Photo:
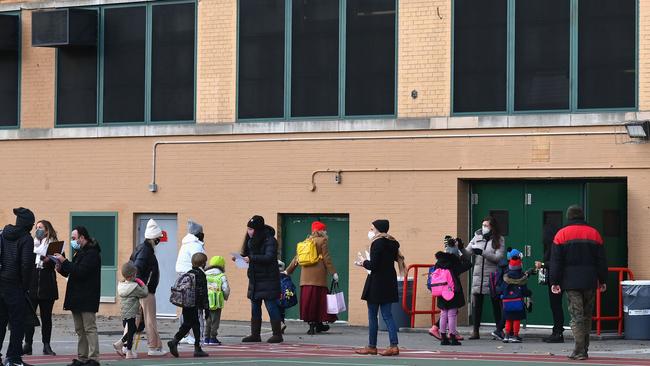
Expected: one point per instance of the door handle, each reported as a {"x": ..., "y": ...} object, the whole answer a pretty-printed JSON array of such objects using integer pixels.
[{"x": 528, "y": 249}]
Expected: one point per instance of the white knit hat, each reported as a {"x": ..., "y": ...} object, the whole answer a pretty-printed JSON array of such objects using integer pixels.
[{"x": 153, "y": 231}]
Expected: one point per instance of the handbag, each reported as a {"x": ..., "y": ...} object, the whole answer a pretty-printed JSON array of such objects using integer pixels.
[{"x": 335, "y": 300}]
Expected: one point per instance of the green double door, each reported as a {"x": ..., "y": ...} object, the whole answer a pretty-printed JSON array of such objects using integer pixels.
[
  {"x": 524, "y": 208},
  {"x": 295, "y": 228}
]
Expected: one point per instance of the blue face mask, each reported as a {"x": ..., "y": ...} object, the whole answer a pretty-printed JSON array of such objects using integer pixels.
[
  {"x": 75, "y": 245},
  {"x": 40, "y": 234}
]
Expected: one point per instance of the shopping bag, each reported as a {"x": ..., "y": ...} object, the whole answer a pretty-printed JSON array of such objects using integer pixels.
[{"x": 335, "y": 300}]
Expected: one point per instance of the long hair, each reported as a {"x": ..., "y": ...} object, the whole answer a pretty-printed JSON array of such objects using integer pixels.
[
  {"x": 401, "y": 263},
  {"x": 495, "y": 231},
  {"x": 51, "y": 233},
  {"x": 256, "y": 240}
]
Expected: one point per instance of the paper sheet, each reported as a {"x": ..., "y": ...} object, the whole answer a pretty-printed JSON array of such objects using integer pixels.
[{"x": 239, "y": 261}]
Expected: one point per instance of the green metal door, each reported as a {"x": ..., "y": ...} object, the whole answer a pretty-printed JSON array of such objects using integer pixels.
[{"x": 296, "y": 228}]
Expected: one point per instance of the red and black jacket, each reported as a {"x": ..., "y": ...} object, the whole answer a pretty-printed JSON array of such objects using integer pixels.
[{"x": 578, "y": 257}]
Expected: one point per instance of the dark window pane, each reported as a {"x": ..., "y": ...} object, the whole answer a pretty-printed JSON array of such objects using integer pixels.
[
  {"x": 261, "y": 59},
  {"x": 480, "y": 42},
  {"x": 370, "y": 58},
  {"x": 315, "y": 58},
  {"x": 503, "y": 221},
  {"x": 124, "y": 62},
  {"x": 606, "y": 53},
  {"x": 611, "y": 223},
  {"x": 76, "y": 85},
  {"x": 9, "y": 70},
  {"x": 542, "y": 55},
  {"x": 172, "y": 63}
]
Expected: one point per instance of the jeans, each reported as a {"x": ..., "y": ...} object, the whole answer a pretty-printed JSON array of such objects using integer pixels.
[
  {"x": 373, "y": 323},
  {"x": 271, "y": 307},
  {"x": 212, "y": 324},
  {"x": 12, "y": 308}
]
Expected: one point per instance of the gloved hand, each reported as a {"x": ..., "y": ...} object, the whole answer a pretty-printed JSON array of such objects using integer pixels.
[
  {"x": 477, "y": 251},
  {"x": 459, "y": 243},
  {"x": 335, "y": 277}
]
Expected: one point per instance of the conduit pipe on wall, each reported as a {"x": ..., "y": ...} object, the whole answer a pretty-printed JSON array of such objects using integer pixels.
[{"x": 153, "y": 187}]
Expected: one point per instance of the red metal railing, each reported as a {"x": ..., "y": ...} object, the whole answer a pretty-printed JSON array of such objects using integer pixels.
[
  {"x": 412, "y": 311},
  {"x": 598, "y": 317}
]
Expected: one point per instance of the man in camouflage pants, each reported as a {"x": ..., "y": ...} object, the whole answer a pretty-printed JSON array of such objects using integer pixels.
[{"x": 579, "y": 267}]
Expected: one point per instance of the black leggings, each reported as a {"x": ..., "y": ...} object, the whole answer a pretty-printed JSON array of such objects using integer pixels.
[
  {"x": 130, "y": 332},
  {"x": 46, "y": 321},
  {"x": 556, "y": 309},
  {"x": 190, "y": 321},
  {"x": 477, "y": 311}
]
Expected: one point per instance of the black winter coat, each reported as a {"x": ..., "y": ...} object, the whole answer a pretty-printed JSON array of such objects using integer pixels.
[
  {"x": 456, "y": 266},
  {"x": 144, "y": 259},
  {"x": 200, "y": 288},
  {"x": 381, "y": 283},
  {"x": 44, "y": 286},
  {"x": 263, "y": 272},
  {"x": 17, "y": 257},
  {"x": 84, "y": 279}
]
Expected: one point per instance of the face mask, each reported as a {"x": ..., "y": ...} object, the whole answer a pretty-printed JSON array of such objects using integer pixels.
[
  {"x": 371, "y": 234},
  {"x": 40, "y": 234},
  {"x": 485, "y": 230},
  {"x": 75, "y": 245}
]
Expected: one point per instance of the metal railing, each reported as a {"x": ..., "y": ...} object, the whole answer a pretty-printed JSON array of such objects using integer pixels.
[
  {"x": 412, "y": 311},
  {"x": 599, "y": 318}
]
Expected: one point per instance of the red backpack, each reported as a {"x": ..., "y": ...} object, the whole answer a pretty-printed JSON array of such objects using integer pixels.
[{"x": 441, "y": 283}]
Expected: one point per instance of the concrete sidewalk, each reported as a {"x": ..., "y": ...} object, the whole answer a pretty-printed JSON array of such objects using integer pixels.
[{"x": 64, "y": 340}]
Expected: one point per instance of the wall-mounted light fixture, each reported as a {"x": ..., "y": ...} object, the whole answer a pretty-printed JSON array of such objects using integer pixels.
[{"x": 638, "y": 129}]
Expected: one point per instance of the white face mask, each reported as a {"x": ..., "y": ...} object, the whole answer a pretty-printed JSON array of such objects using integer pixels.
[
  {"x": 485, "y": 230},
  {"x": 371, "y": 234}
]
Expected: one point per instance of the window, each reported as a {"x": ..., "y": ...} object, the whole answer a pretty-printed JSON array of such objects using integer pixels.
[
  {"x": 261, "y": 59},
  {"x": 143, "y": 70},
  {"x": 544, "y": 55},
  {"x": 9, "y": 69},
  {"x": 102, "y": 226},
  {"x": 290, "y": 64},
  {"x": 172, "y": 69}
]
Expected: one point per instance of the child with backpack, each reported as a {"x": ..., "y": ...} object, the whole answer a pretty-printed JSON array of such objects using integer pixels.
[
  {"x": 444, "y": 282},
  {"x": 513, "y": 290},
  {"x": 191, "y": 292},
  {"x": 131, "y": 290},
  {"x": 218, "y": 293},
  {"x": 288, "y": 293}
]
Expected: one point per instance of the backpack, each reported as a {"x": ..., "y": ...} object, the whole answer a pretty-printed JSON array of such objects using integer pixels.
[
  {"x": 216, "y": 299},
  {"x": 183, "y": 292},
  {"x": 288, "y": 296},
  {"x": 513, "y": 299},
  {"x": 441, "y": 283},
  {"x": 307, "y": 253},
  {"x": 495, "y": 279}
]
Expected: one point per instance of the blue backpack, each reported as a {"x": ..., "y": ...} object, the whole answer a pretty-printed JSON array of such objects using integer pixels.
[
  {"x": 288, "y": 296},
  {"x": 513, "y": 299},
  {"x": 495, "y": 281}
]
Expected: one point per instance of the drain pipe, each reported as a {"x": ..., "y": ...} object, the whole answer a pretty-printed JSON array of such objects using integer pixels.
[{"x": 153, "y": 187}]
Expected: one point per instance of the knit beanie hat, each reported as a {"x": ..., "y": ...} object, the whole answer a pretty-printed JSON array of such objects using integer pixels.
[
  {"x": 217, "y": 261},
  {"x": 318, "y": 226},
  {"x": 153, "y": 231},
  {"x": 256, "y": 222},
  {"x": 194, "y": 227},
  {"x": 381, "y": 225},
  {"x": 513, "y": 253},
  {"x": 514, "y": 264},
  {"x": 24, "y": 217}
]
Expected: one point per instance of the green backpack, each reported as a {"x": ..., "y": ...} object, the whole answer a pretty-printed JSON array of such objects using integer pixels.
[{"x": 216, "y": 299}]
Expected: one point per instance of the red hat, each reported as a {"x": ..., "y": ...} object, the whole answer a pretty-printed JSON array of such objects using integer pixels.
[
  {"x": 514, "y": 264},
  {"x": 318, "y": 226}
]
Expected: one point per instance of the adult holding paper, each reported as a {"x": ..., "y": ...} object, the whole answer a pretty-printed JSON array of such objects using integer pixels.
[
  {"x": 43, "y": 291},
  {"x": 260, "y": 251},
  {"x": 380, "y": 289}
]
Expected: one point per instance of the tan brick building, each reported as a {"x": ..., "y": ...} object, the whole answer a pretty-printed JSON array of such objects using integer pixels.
[{"x": 416, "y": 111}]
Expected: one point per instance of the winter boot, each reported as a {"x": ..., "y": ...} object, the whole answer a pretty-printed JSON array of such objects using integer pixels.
[
  {"x": 454, "y": 340},
  {"x": 555, "y": 337},
  {"x": 198, "y": 352},
  {"x": 320, "y": 327},
  {"x": 256, "y": 329},
  {"x": 173, "y": 347},
  {"x": 27, "y": 349},
  {"x": 276, "y": 326},
  {"x": 444, "y": 340},
  {"x": 47, "y": 350},
  {"x": 312, "y": 328}
]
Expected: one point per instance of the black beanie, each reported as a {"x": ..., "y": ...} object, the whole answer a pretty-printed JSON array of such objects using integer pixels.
[
  {"x": 381, "y": 225},
  {"x": 256, "y": 222},
  {"x": 24, "y": 217}
]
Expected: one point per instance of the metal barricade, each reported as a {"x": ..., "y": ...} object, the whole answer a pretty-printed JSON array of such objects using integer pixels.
[
  {"x": 599, "y": 318},
  {"x": 413, "y": 311}
]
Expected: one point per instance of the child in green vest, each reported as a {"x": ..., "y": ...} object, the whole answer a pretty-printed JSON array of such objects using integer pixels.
[{"x": 218, "y": 292}]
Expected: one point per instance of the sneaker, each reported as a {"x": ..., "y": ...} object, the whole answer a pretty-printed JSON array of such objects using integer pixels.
[
  {"x": 498, "y": 334},
  {"x": 215, "y": 341},
  {"x": 516, "y": 339},
  {"x": 506, "y": 339},
  {"x": 207, "y": 341},
  {"x": 434, "y": 332},
  {"x": 130, "y": 354},
  {"x": 117, "y": 346},
  {"x": 156, "y": 352}
]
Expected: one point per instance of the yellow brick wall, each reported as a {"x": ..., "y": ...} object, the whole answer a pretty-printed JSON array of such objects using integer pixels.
[
  {"x": 37, "y": 80},
  {"x": 424, "y": 62},
  {"x": 644, "y": 55},
  {"x": 217, "y": 67}
]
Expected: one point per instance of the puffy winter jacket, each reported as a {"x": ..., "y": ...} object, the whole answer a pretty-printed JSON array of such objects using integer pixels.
[
  {"x": 144, "y": 258},
  {"x": 263, "y": 272},
  {"x": 190, "y": 245},
  {"x": 200, "y": 288},
  {"x": 485, "y": 263},
  {"x": 17, "y": 257},
  {"x": 456, "y": 266},
  {"x": 130, "y": 294}
]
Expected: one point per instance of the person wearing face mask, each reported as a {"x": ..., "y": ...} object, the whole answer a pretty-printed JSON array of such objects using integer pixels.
[
  {"x": 380, "y": 289},
  {"x": 144, "y": 259},
  {"x": 313, "y": 282},
  {"x": 44, "y": 290},
  {"x": 488, "y": 249},
  {"x": 17, "y": 248},
  {"x": 260, "y": 251},
  {"x": 82, "y": 293}
]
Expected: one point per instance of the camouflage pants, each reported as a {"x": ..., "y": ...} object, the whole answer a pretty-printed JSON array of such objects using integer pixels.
[{"x": 581, "y": 309}]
